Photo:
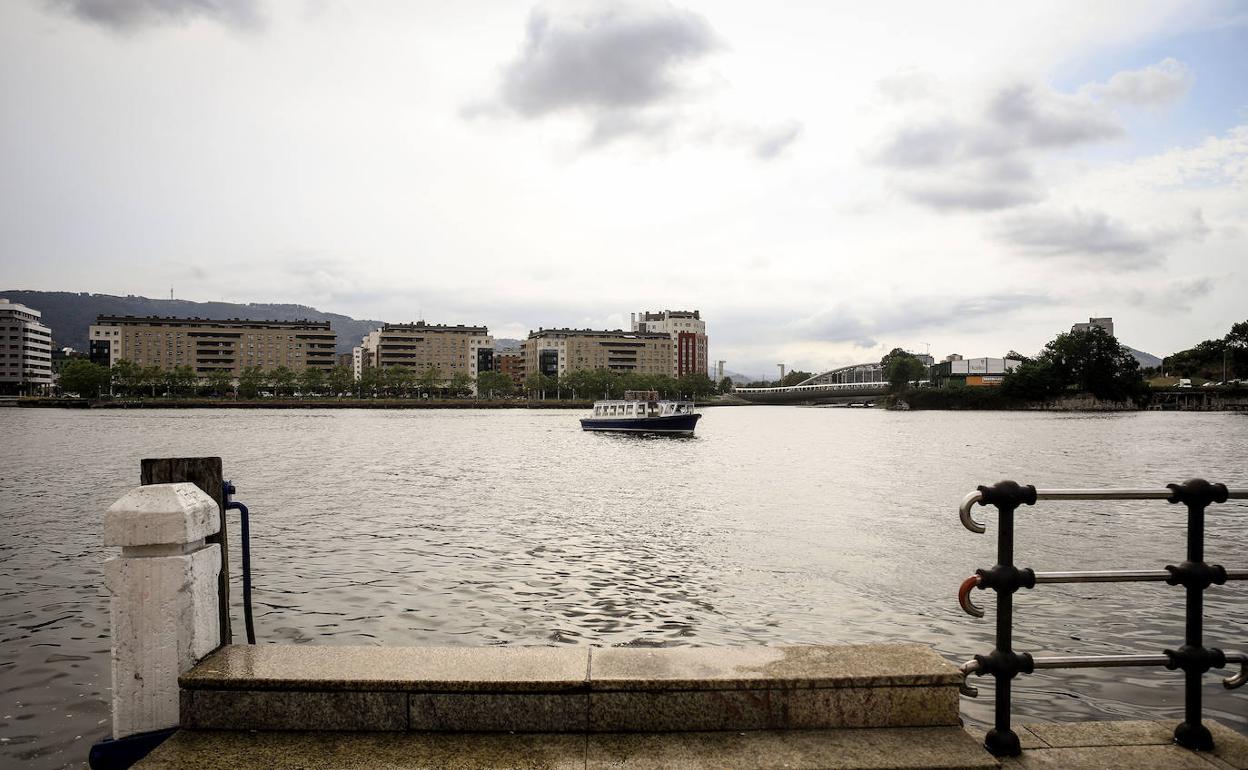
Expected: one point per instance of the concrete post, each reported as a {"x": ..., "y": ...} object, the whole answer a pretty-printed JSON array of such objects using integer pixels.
[{"x": 164, "y": 598}]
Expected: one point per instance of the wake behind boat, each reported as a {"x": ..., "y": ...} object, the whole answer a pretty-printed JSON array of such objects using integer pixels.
[{"x": 641, "y": 411}]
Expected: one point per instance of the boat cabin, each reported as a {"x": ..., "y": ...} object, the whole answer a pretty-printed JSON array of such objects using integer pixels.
[{"x": 641, "y": 403}]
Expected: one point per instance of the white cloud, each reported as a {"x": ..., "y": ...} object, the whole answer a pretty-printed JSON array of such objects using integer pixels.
[{"x": 1154, "y": 85}]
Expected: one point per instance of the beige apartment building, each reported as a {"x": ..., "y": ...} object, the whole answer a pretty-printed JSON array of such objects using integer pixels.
[
  {"x": 688, "y": 333},
  {"x": 555, "y": 352},
  {"x": 420, "y": 346},
  {"x": 208, "y": 346}
]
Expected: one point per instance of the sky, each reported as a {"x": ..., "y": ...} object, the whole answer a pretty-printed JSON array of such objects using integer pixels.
[{"x": 824, "y": 181}]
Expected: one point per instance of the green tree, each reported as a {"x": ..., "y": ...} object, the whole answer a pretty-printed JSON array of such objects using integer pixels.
[
  {"x": 83, "y": 378},
  {"x": 398, "y": 380},
  {"x": 794, "y": 377},
  {"x": 127, "y": 377},
  {"x": 1093, "y": 361},
  {"x": 536, "y": 384},
  {"x": 902, "y": 368},
  {"x": 340, "y": 380},
  {"x": 430, "y": 379},
  {"x": 250, "y": 382},
  {"x": 461, "y": 384},
  {"x": 220, "y": 382},
  {"x": 283, "y": 381},
  {"x": 152, "y": 377},
  {"x": 493, "y": 384},
  {"x": 370, "y": 382},
  {"x": 695, "y": 386},
  {"x": 725, "y": 385},
  {"x": 1033, "y": 380},
  {"x": 180, "y": 380},
  {"x": 311, "y": 381}
]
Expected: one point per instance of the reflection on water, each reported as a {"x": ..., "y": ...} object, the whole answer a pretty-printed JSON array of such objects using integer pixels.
[{"x": 774, "y": 524}]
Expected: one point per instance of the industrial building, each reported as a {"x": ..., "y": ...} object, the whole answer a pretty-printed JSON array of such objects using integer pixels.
[
  {"x": 209, "y": 346},
  {"x": 971, "y": 372}
]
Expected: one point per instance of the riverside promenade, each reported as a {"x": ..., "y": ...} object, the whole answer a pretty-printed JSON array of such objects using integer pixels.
[{"x": 286, "y": 706}]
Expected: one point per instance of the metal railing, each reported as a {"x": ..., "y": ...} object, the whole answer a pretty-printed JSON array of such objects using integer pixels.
[
  {"x": 1003, "y": 663},
  {"x": 227, "y": 490}
]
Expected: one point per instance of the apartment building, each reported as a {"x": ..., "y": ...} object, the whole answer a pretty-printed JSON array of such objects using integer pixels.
[
  {"x": 511, "y": 363},
  {"x": 688, "y": 333},
  {"x": 555, "y": 352},
  {"x": 209, "y": 346},
  {"x": 1105, "y": 323},
  {"x": 420, "y": 346},
  {"x": 26, "y": 363}
]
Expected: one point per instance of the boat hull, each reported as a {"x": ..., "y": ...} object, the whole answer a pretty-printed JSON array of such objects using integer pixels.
[{"x": 676, "y": 424}]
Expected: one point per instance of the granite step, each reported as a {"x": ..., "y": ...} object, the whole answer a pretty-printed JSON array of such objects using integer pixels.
[
  {"x": 934, "y": 748},
  {"x": 569, "y": 690}
]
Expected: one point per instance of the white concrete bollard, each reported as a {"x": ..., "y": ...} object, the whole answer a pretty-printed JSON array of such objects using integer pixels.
[{"x": 164, "y": 599}]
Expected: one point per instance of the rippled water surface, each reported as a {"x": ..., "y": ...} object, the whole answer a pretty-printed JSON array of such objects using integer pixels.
[{"x": 773, "y": 525}]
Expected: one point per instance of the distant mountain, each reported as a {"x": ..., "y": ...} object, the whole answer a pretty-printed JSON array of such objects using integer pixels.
[
  {"x": 741, "y": 379},
  {"x": 69, "y": 314},
  {"x": 1147, "y": 360},
  {"x": 506, "y": 343}
]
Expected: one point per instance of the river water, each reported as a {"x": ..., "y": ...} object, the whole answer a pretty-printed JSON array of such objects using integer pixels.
[{"x": 774, "y": 525}]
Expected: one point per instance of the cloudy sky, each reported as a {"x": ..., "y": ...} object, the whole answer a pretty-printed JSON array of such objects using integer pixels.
[{"x": 825, "y": 181}]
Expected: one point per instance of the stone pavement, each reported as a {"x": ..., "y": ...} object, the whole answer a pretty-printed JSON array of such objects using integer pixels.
[
  {"x": 1135, "y": 745},
  {"x": 1078, "y": 746}
]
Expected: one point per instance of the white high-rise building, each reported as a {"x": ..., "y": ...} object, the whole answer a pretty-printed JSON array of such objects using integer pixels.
[{"x": 26, "y": 365}]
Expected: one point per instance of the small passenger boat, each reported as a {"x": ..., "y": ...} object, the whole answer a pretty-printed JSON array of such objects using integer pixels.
[{"x": 641, "y": 411}]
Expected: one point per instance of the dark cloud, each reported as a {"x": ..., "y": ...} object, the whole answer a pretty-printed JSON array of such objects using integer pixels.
[
  {"x": 1179, "y": 297},
  {"x": 617, "y": 57},
  {"x": 1042, "y": 118},
  {"x": 1102, "y": 240},
  {"x": 629, "y": 70},
  {"x": 133, "y": 14},
  {"x": 612, "y": 59}
]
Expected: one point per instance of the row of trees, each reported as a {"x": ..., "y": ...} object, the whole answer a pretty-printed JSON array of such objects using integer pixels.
[
  {"x": 1219, "y": 360},
  {"x": 128, "y": 379},
  {"x": 605, "y": 383}
]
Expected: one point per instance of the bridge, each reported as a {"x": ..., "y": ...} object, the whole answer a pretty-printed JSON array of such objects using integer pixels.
[{"x": 854, "y": 384}]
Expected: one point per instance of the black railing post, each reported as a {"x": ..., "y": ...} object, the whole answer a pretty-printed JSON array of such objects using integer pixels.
[
  {"x": 1005, "y": 578},
  {"x": 1195, "y": 576}
]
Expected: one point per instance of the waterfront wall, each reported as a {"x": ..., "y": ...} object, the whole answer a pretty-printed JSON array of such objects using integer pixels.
[{"x": 163, "y": 599}]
